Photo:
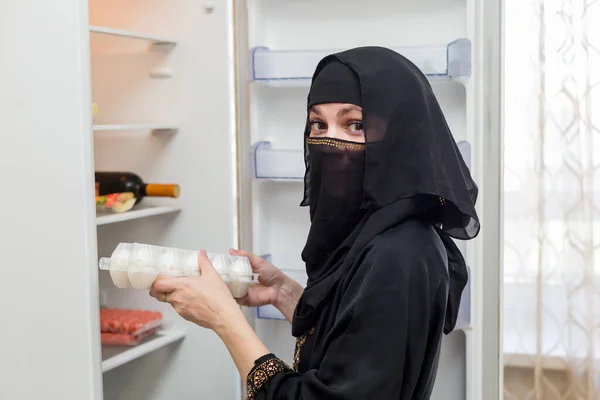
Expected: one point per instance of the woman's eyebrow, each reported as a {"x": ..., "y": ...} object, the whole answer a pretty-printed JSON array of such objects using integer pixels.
[
  {"x": 343, "y": 111},
  {"x": 315, "y": 110}
]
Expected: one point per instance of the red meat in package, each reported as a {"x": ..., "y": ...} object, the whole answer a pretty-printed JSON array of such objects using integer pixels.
[
  {"x": 123, "y": 326},
  {"x": 124, "y": 339}
]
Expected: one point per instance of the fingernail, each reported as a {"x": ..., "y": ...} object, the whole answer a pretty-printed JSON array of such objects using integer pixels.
[{"x": 203, "y": 253}]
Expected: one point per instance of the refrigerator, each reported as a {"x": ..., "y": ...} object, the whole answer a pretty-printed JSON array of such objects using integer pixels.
[{"x": 210, "y": 95}]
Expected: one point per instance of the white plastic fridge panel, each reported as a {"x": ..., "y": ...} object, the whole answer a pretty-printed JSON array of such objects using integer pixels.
[
  {"x": 278, "y": 114},
  {"x": 450, "y": 381},
  {"x": 124, "y": 91},
  {"x": 300, "y": 24},
  {"x": 282, "y": 224}
]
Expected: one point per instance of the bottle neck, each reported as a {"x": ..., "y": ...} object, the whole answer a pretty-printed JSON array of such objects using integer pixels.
[{"x": 160, "y": 190}]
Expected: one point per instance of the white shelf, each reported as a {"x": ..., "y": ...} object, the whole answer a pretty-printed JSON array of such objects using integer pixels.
[
  {"x": 269, "y": 164},
  {"x": 141, "y": 212},
  {"x": 441, "y": 61},
  {"x": 155, "y": 42},
  {"x": 154, "y": 128},
  {"x": 115, "y": 356}
]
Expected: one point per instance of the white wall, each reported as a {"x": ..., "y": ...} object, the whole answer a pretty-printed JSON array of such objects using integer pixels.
[{"x": 48, "y": 289}]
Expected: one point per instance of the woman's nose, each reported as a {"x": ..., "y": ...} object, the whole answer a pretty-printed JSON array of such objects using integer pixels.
[{"x": 336, "y": 132}]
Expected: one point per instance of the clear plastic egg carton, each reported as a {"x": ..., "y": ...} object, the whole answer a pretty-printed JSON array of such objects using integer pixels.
[{"x": 136, "y": 265}]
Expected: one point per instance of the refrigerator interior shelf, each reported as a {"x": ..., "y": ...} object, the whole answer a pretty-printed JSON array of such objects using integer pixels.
[
  {"x": 154, "y": 128},
  {"x": 271, "y": 164},
  {"x": 115, "y": 356},
  {"x": 437, "y": 61},
  {"x": 136, "y": 213},
  {"x": 156, "y": 43},
  {"x": 276, "y": 164}
]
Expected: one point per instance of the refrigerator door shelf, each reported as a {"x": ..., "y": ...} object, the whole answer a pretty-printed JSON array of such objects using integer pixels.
[
  {"x": 271, "y": 164},
  {"x": 288, "y": 165},
  {"x": 269, "y": 311},
  {"x": 445, "y": 61}
]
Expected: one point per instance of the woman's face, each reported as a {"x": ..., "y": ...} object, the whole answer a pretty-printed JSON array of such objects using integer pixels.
[{"x": 337, "y": 120}]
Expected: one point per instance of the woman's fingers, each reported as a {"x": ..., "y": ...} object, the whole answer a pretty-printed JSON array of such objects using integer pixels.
[
  {"x": 255, "y": 261},
  {"x": 155, "y": 293},
  {"x": 166, "y": 285},
  {"x": 204, "y": 264},
  {"x": 164, "y": 297},
  {"x": 243, "y": 301}
]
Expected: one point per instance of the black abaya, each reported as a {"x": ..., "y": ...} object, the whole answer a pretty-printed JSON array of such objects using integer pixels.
[{"x": 379, "y": 335}]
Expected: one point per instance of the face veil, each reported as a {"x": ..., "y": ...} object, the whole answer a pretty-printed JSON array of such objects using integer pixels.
[
  {"x": 334, "y": 183},
  {"x": 410, "y": 166}
]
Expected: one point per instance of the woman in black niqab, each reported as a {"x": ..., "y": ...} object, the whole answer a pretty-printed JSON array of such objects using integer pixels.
[
  {"x": 387, "y": 190},
  {"x": 384, "y": 276}
]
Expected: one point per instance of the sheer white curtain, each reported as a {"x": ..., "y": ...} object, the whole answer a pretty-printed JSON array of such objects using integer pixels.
[{"x": 552, "y": 199}]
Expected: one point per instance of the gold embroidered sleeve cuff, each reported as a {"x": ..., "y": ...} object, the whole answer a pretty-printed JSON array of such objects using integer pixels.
[{"x": 264, "y": 369}]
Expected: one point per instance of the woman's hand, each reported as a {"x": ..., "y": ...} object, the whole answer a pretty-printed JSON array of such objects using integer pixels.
[
  {"x": 204, "y": 300},
  {"x": 274, "y": 287},
  {"x": 270, "y": 278}
]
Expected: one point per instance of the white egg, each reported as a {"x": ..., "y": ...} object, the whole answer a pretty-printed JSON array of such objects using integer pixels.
[
  {"x": 218, "y": 262},
  {"x": 238, "y": 288},
  {"x": 120, "y": 279},
  {"x": 187, "y": 262},
  {"x": 167, "y": 262},
  {"x": 239, "y": 267},
  {"x": 119, "y": 262},
  {"x": 141, "y": 279},
  {"x": 143, "y": 266}
]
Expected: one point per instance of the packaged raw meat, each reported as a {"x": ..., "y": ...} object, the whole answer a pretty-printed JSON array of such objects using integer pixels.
[
  {"x": 130, "y": 322},
  {"x": 145, "y": 262},
  {"x": 124, "y": 339}
]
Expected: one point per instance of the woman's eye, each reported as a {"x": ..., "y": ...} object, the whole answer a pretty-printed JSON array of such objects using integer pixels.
[
  {"x": 356, "y": 127},
  {"x": 317, "y": 126}
]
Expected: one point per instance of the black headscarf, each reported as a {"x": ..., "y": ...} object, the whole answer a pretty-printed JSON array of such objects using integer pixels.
[{"x": 409, "y": 167}]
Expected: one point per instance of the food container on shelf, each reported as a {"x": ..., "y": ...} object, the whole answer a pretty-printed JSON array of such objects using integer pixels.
[
  {"x": 132, "y": 322},
  {"x": 124, "y": 339},
  {"x": 127, "y": 327},
  {"x": 143, "y": 263}
]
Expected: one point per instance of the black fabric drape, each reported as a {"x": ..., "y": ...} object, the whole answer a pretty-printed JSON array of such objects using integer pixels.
[{"x": 412, "y": 168}]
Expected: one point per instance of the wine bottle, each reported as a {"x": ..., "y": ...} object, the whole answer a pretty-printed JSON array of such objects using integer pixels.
[{"x": 118, "y": 182}]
